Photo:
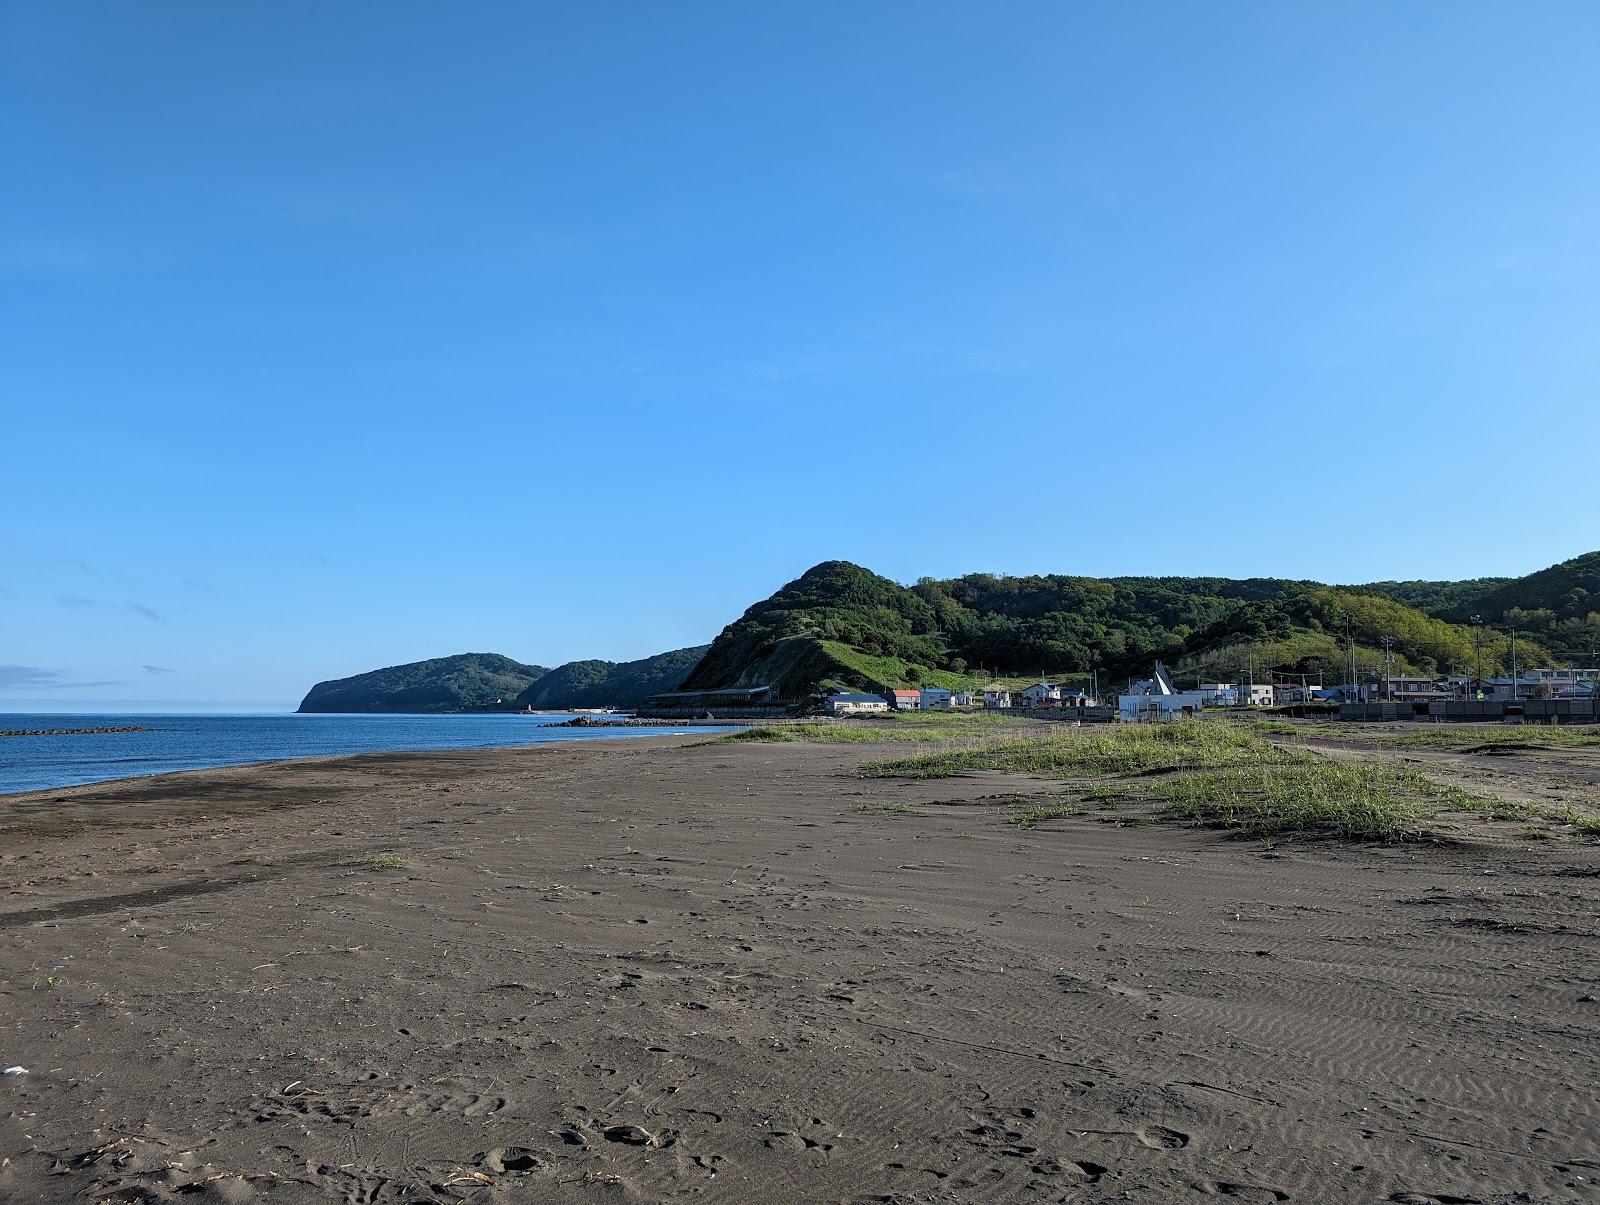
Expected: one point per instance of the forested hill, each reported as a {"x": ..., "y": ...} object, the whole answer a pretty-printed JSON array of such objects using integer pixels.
[
  {"x": 840, "y": 623},
  {"x": 1559, "y": 606},
  {"x": 464, "y": 682},
  {"x": 1436, "y": 598},
  {"x": 610, "y": 683},
  {"x": 491, "y": 682}
]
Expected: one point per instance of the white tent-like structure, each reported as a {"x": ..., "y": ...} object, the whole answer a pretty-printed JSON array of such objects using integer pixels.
[{"x": 1157, "y": 699}]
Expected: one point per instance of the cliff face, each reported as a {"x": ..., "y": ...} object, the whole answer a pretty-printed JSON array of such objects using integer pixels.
[{"x": 491, "y": 682}]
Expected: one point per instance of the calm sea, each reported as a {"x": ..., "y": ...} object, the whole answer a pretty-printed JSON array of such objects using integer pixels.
[{"x": 196, "y": 742}]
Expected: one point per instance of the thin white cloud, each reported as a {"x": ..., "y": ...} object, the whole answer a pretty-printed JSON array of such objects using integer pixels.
[
  {"x": 78, "y": 602},
  {"x": 72, "y": 253},
  {"x": 35, "y": 677}
]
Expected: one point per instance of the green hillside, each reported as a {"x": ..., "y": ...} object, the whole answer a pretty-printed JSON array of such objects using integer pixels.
[
  {"x": 610, "y": 683},
  {"x": 841, "y": 624},
  {"x": 794, "y": 639},
  {"x": 1558, "y": 606}
]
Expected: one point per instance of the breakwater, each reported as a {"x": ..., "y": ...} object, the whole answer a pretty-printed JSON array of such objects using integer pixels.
[{"x": 71, "y": 731}]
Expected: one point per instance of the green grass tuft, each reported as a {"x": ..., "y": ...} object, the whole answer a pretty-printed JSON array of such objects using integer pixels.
[{"x": 1031, "y": 815}]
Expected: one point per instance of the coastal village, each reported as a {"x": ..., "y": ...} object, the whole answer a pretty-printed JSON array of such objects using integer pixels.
[
  {"x": 1544, "y": 695},
  {"x": 1157, "y": 698}
]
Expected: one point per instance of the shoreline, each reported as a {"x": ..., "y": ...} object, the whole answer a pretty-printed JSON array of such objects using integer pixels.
[
  {"x": 663, "y": 728},
  {"x": 423, "y": 975}
]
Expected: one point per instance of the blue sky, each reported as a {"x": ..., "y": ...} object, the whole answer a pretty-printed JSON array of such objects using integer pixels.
[{"x": 342, "y": 335}]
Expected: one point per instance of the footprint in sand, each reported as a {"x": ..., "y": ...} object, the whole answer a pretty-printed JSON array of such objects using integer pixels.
[
  {"x": 1160, "y": 1138},
  {"x": 1242, "y": 1192},
  {"x": 1076, "y": 1169},
  {"x": 1157, "y": 1138},
  {"x": 794, "y": 1144},
  {"x": 511, "y": 1159}
]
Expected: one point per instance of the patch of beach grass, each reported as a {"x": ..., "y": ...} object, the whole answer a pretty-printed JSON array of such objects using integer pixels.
[
  {"x": 1364, "y": 802},
  {"x": 908, "y": 726},
  {"x": 1587, "y": 824},
  {"x": 1225, "y": 776},
  {"x": 386, "y": 862},
  {"x": 1460, "y": 739},
  {"x": 838, "y": 734},
  {"x": 1266, "y": 726},
  {"x": 1451, "y": 737},
  {"x": 1097, "y": 752},
  {"x": 948, "y": 719}
]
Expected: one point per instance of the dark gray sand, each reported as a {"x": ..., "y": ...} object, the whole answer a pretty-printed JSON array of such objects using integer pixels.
[{"x": 664, "y": 970}]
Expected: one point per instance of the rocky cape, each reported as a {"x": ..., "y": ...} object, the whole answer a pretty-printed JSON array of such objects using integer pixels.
[{"x": 479, "y": 682}]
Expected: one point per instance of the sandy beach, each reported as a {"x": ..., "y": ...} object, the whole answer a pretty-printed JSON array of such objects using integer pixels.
[{"x": 667, "y": 969}]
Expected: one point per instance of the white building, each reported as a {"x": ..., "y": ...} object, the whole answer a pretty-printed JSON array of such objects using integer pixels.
[
  {"x": 961, "y": 698},
  {"x": 1219, "y": 694},
  {"x": 1156, "y": 699},
  {"x": 996, "y": 698},
  {"x": 1541, "y": 684},
  {"x": 1040, "y": 694},
  {"x": 1562, "y": 682},
  {"x": 851, "y": 704},
  {"x": 1259, "y": 695},
  {"x": 935, "y": 699}
]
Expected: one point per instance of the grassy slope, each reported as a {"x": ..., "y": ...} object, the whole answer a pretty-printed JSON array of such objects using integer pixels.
[
  {"x": 883, "y": 673},
  {"x": 803, "y": 664}
]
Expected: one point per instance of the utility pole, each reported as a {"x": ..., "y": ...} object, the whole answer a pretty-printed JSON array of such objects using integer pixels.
[
  {"x": 1350, "y": 649},
  {"x": 1477, "y": 653},
  {"x": 1388, "y": 667},
  {"x": 1516, "y": 689}
]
